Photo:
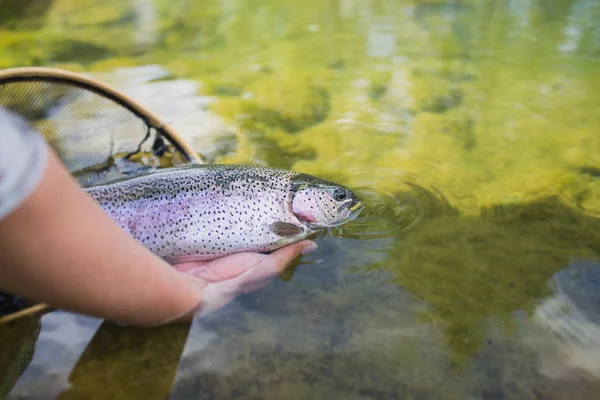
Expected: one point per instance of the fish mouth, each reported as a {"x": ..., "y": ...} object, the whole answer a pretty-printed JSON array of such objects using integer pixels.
[
  {"x": 349, "y": 212},
  {"x": 357, "y": 207},
  {"x": 353, "y": 208}
]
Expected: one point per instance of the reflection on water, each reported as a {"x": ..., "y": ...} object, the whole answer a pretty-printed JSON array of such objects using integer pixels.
[
  {"x": 573, "y": 317},
  {"x": 468, "y": 127},
  {"x": 59, "y": 344}
]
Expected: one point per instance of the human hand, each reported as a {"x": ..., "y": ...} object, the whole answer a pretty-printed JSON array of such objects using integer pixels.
[{"x": 226, "y": 278}]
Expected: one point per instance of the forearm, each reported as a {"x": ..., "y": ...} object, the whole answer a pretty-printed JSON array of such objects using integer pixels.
[{"x": 60, "y": 248}]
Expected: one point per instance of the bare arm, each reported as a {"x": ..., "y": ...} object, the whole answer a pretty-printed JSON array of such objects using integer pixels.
[{"x": 60, "y": 248}]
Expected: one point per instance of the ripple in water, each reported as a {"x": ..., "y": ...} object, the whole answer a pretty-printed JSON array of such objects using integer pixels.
[{"x": 390, "y": 213}]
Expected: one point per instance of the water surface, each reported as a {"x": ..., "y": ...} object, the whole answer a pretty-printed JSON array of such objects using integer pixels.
[{"x": 470, "y": 128}]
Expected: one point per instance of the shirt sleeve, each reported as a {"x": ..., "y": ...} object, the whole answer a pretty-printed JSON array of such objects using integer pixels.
[{"x": 23, "y": 157}]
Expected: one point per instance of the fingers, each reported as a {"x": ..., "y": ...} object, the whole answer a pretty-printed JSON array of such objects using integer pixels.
[
  {"x": 189, "y": 266},
  {"x": 226, "y": 278},
  {"x": 284, "y": 256},
  {"x": 226, "y": 268},
  {"x": 234, "y": 265}
]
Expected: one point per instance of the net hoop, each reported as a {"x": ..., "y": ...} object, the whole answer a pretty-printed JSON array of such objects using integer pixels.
[{"x": 45, "y": 74}]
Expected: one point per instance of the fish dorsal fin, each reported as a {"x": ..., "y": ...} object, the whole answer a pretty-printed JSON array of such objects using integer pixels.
[{"x": 285, "y": 229}]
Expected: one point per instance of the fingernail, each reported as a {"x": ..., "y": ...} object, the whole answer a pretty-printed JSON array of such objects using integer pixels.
[{"x": 310, "y": 247}]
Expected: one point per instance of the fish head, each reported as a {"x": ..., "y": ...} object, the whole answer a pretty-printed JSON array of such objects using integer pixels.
[{"x": 321, "y": 204}]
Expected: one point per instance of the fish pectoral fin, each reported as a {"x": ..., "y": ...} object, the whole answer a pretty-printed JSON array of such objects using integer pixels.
[{"x": 285, "y": 229}]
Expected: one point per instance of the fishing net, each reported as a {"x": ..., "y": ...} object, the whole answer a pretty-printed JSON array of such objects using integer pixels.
[{"x": 97, "y": 131}]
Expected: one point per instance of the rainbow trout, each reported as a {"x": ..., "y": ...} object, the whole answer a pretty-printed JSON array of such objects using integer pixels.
[{"x": 202, "y": 212}]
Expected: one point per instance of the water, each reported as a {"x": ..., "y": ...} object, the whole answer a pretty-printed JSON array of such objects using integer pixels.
[{"x": 471, "y": 129}]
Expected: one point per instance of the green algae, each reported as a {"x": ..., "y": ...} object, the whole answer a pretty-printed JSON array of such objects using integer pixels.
[
  {"x": 23, "y": 14},
  {"x": 470, "y": 269},
  {"x": 17, "y": 350},
  {"x": 102, "y": 361},
  {"x": 294, "y": 107}
]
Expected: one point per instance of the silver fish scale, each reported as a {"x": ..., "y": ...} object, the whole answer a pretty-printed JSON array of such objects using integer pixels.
[{"x": 202, "y": 212}]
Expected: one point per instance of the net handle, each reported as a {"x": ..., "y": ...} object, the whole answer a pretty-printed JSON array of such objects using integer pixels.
[
  {"x": 24, "y": 313},
  {"x": 103, "y": 89}
]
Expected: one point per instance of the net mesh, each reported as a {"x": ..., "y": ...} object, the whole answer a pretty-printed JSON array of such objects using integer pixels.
[{"x": 95, "y": 136}]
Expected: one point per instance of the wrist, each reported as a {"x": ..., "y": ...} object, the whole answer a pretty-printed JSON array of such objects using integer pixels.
[{"x": 176, "y": 298}]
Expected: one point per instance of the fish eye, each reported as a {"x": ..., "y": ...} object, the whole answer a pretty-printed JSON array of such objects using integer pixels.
[{"x": 340, "y": 194}]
